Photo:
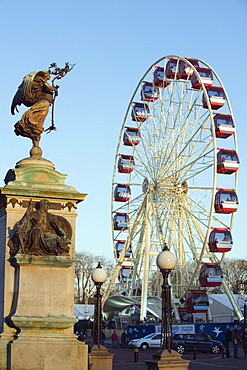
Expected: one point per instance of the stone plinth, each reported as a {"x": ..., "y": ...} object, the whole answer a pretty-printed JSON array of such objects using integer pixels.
[
  {"x": 40, "y": 352},
  {"x": 44, "y": 317},
  {"x": 44, "y": 286},
  {"x": 37, "y": 292},
  {"x": 100, "y": 358},
  {"x": 167, "y": 360}
]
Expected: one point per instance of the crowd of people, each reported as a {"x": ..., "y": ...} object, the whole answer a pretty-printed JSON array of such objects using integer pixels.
[
  {"x": 234, "y": 337},
  {"x": 116, "y": 343}
]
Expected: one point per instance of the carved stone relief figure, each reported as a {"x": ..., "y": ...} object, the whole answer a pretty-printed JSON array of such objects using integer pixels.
[{"x": 41, "y": 233}]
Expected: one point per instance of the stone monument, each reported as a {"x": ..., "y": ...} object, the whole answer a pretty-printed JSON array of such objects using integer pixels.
[{"x": 37, "y": 247}]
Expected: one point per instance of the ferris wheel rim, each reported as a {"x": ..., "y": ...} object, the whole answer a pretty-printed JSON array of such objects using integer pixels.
[{"x": 211, "y": 119}]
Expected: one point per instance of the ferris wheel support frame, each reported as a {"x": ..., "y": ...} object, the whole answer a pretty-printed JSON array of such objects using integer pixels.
[{"x": 143, "y": 312}]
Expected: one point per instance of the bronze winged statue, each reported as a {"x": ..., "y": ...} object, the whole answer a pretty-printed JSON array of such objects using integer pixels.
[{"x": 36, "y": 93}]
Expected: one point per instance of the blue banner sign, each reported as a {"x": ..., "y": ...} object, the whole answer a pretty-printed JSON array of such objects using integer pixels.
[{"x": 214, "y": 330}]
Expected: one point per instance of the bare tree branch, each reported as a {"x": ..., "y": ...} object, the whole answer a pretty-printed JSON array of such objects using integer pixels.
[{"x": 85, "y": 262}]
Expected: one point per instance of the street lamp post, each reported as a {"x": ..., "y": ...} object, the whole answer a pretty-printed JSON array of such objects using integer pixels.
[
  {"x": 166, "y": 262},
  {"x": 245, "y": 314},
  {"x": 99, "y": 277}
]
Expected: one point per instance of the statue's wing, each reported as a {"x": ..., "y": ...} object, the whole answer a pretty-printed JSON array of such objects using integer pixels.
[
  {"x": 17, "y": 99},
  {"x": 27, "y": 86},
  {"x": 24, "y": 93}
]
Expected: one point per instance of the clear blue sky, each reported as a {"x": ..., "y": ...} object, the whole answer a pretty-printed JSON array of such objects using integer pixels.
[{"x": 113, "y": 43}]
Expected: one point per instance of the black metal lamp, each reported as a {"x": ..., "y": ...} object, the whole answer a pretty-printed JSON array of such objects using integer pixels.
[
  {"x": 166, "y": 262},
  {"x": 99, "y": 277}
]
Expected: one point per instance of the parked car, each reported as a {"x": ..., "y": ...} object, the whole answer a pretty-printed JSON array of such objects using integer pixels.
[
  {"x": 149, "y": 341},
  {"x": 187, "y": 342},
  {"x": 179, "y": 342}
]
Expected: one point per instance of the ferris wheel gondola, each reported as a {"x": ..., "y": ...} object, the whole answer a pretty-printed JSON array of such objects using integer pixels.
[{"x": 169, "y": 175}]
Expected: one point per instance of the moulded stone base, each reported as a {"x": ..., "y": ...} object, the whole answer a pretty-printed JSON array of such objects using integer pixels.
[
  {"x": 47, "y": 354},
  {"x": 167, "y": 360},
  {"x": 100, "y": 358}
]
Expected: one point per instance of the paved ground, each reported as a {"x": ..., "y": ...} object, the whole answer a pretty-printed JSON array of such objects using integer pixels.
[{"x": 124, "y": 360}]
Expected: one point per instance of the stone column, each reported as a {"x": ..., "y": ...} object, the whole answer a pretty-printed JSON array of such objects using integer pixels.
[{"x": 37, "y": 291}]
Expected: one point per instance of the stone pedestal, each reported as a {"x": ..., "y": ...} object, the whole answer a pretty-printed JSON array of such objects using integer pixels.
[
  {"x": 37, "y": 292},
  {"x": 167, "y": 360},
  {"x": 40, "y": 352},
  {"x": 100, "y": 358}
]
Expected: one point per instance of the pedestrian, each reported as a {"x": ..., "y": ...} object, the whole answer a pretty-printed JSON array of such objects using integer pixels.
[
  {"x": 82, "y": 336},
  {"x": 204, "y": 334},
  {"x": 244, "y": 342},
  {"x": 228, "y": 340},
  {"x": 114, "y": 339},
  {"x": 236, "y": 340},
  {"x": 124, "y": 339}
]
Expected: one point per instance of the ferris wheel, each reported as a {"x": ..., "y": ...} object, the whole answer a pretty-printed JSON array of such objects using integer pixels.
[{"x": 174, "y": 179}]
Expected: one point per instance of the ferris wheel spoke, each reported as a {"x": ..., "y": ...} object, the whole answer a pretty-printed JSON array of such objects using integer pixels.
[
  {"x": 198, "y": 156},
  {"x": 196, "y": 151},
  {"x": 192, "y": 104},
  {"x": 186, "y": 213},
  {"x": 176, "y": 227},
  {"x": 198, "y": 204},
  {"x": 145, "y": 165},
  {"x": 197, "y": 223},
  {"x": 218, "y": 221},
  {"x": 194, "y": 146},
  {"x": 183, "y": 241},
  {"x": 138, "y": 253},
  {"x": 168, "y": 155},
  {"x": 199, "y": 208},
  {"x": 178, "y": 108},
  {"x": 192, "y": 238},
  {"x": 188, "y": 171},
  {"x": 182, "y": 153}
]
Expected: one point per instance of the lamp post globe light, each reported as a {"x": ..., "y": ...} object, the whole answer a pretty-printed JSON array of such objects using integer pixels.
[
  {"x": 99, "y": 277},
  {"x": 166, "y": 262}
]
